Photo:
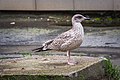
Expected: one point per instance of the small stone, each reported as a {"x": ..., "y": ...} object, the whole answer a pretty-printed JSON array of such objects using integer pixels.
[
  {"x": 48, "y": 19},
  {"x": 12, "y": 23},
  {"x": 35, "y": 19},
  {"x": 22, "y": 68},
  {"x": 41, "y": 18},
  {"x": 28, "y": 17},
  {"x": 67, "y": 20},
  {"x": 54, "y": 66}
]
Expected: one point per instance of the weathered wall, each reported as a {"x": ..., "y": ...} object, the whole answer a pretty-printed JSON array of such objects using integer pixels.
[
  {"x": 59, "y": 4},
  {"x": 17, "y": 5},
  {"x": 93, "y": 5},
  {"x": 54, "y": 4},
  {"x": 116, "y": 4}
]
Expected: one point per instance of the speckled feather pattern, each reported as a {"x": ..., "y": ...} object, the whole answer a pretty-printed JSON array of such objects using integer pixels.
[{"x": 68, "y": 40}]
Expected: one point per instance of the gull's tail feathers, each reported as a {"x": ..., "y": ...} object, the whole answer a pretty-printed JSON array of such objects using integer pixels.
[
  {"x": 38, "y": 49},
  {"x": 44, "y": 47}
]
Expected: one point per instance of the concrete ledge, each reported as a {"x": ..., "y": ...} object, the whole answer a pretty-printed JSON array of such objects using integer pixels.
[{"x": 88, "y": 67}]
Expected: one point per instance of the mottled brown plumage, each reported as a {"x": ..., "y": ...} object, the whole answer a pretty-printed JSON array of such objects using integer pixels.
[{"x": 68, "y": 40}]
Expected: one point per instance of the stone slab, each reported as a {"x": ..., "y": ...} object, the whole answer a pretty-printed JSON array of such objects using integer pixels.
[{"x": 52, "y": 65}]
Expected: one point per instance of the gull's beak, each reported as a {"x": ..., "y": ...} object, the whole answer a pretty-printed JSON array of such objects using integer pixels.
[{"x": 86, "y": 18}]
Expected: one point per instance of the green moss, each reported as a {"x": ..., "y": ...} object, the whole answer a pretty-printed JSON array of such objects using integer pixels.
[
  {"x": 109, "y": 19},
  {"x": 112, "y": 72},
  {"x": 26, "y": 54},
  {"x": 97, "y": 19}
]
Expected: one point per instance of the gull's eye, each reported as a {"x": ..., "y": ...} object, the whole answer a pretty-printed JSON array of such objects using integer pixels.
[{"x": 78, "y": 17}]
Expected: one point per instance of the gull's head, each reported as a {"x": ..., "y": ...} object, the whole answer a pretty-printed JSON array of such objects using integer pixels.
[{"x": 79, "y": 18}]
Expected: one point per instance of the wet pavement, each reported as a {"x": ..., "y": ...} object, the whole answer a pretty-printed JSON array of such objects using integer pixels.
[{"x": 94, "y": 37}]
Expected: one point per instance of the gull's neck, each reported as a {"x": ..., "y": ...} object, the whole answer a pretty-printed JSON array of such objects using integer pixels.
[{"x": 77, "y": 27}]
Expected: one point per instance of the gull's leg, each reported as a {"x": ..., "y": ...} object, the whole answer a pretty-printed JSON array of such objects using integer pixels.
[
  {"x": 68, "y": 54},
  {"x": 70, "y": 61}
]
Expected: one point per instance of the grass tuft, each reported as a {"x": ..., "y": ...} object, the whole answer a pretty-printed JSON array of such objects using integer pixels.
[{"x": 112, "y": 72}]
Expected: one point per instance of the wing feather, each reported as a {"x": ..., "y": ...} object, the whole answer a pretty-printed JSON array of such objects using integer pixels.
[{"x": 66, "y": 41}]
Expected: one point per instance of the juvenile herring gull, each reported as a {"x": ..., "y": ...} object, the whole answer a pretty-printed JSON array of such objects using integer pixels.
[{"x": 68, "y": 40}]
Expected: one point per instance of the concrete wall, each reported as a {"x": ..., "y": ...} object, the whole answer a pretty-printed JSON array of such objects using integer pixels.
[
  {"x": 54, "y": 4},
  {"x": 17, "y": 5},
  {"x": 59, "y": 5},
  {"x": 116, "y": 4},
  {"x": 93, "y": 5}
]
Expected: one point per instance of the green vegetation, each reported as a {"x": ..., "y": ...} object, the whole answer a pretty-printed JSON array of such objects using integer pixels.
[
  {"x": 97, "y": 19},
  {"x": 111, "y": 72},
  {"x": 26, "y": 54},
  {"x": 62, "y": 19}
]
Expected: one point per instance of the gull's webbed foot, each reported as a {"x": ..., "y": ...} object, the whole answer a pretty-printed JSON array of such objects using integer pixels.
[{"x": 72, "y": 62}]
